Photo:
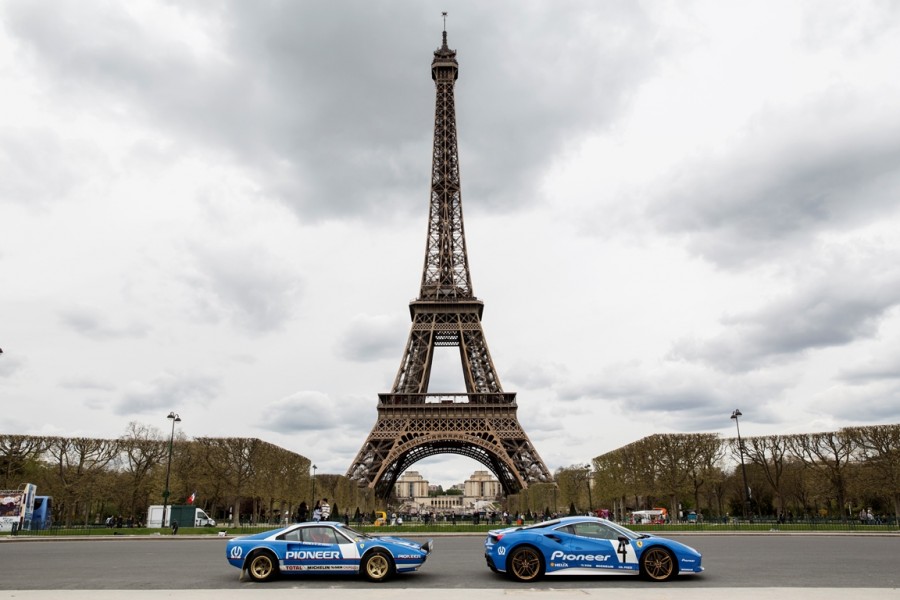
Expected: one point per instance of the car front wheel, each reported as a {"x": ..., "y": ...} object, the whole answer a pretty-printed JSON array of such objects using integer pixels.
[
  {"x": 658, "y": 564},
  {"x": 376, "y": 566},
  {"x": 525, "y": 564},
  {"x": 262, "y": 567}
]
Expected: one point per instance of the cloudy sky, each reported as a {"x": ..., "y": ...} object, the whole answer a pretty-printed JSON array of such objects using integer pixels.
[{"x": 673, "y": 209}]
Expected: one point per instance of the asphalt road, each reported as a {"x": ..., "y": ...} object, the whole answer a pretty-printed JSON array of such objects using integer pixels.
[{"x": 166, "y": 563}]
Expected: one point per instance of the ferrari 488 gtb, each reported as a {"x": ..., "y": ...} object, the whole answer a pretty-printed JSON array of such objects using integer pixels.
[{"x": 585, "y": 546}]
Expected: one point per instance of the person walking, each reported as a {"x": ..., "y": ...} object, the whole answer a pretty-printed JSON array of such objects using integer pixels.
[
  {"x": 325, "y": 509},
  {"x": 317, "y": 513}
]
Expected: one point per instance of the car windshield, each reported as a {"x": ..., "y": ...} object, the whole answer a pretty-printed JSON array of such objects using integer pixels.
[
  {"x": 354, "y": 533},
  {"x": 626, "y": 532}
]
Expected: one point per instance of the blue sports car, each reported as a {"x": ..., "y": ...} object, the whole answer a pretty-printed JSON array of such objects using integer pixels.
[
  {"x": 324, "y": 547},
  {"x": 585, "y": 546}
]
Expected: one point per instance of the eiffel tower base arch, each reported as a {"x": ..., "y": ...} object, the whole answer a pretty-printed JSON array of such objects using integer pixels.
[{"x": 484, "y": 428}]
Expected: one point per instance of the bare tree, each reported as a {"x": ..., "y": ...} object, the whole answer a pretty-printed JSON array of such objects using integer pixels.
[
  {"x": 830, "y": 454},
  {"x": 17, "y": 452},
  {"x": 142, "y": 450},
  {"x": 770, "y": 454},
  {"x": 879, "y": 449}
]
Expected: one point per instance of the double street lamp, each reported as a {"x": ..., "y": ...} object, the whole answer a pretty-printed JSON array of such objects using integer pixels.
[
  {"x": 745, "y": 494},
  {"x": 175, "y": 419}
]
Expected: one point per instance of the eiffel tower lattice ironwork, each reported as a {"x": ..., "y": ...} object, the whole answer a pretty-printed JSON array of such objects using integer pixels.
[{"x": 480, "y": 423}]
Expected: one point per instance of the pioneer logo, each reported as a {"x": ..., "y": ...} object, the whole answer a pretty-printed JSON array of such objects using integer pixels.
[{"x": 560, "y": 555}]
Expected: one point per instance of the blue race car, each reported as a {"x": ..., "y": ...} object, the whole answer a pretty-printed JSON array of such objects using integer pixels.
[
  {"x": 585, "y": 546},
  {"x": 324, "y": 547}
]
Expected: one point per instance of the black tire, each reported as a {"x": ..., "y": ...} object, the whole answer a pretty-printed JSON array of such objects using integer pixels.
[
  {"x": 525, "y": 564},
  {"x": 658, "y": 564},
  {"x": 377, "y": 566},
  {"x": 262, "y": 566}
]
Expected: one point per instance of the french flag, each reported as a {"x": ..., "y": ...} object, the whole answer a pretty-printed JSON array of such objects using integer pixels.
[{"x": 191, "y": 498}]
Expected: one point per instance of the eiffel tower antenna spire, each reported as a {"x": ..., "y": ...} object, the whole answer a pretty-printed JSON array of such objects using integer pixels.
[{"x": 481, "y": 422}]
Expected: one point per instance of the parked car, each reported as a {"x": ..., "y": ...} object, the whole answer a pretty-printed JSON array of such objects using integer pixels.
[
  {"x": 585, "y": 546},
  {"x": 324, "y": 547}
]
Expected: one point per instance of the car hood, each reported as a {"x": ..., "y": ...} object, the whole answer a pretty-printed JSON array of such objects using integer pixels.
[{"x": 405, "y": 542}]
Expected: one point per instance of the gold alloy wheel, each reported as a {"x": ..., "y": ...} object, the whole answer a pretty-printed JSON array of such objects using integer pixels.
[
  {"x": 658, "y": 564},
  {"x": 262, "y": 567},
  {"x": 524, "y": 564},
  {"x": 377, "y": 567}
]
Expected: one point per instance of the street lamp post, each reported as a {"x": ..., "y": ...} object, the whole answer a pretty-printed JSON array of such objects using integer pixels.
[
  {"x": 745, "y": 495},
  {"x": 314, "y": 467},
  {"x": 175, "y": 419},
  {"x": 589, "y": 482}
]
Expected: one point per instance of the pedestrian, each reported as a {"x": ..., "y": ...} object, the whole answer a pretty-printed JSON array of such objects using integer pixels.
[
  {"x": 317, "y": 512},
  {"x": 302, "y": 512},
  {"x": 174, "y": 527},
  {"x": 325, "y": 509}
]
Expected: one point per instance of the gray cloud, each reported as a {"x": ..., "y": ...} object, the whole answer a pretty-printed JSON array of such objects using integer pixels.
[
  {"x": 166, "y": 391},
  {"x": 831, "y": 312},
  {"x": 370, "y": 338},
  {"x": 311, "y": 411},
  {"x": 245, "y": 285},
  {"x": 817, "y": 168},
  {"x": 95, "y": 324},
  {"x": 333, "y": 109},
  {"x": 84, "y": 383},
  {"x": 39, "y": 167}
]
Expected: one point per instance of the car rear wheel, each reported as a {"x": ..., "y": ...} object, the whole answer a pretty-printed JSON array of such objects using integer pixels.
[
  {"x": 525, "y": 564},
  {"x": 262, "y": 566},
  {"x": 377, "y": 566},
  {"x": 658, "y": 564}
]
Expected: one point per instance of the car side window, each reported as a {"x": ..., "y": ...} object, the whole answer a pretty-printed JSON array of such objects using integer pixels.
[
  {"x": 291, "y": 536},
  {"x": 595, "y": 530},
  {"x": 319, "y": 535}
]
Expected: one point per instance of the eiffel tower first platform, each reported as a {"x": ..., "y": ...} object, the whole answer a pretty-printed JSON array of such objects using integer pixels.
[{"x": 481, "y": 422}]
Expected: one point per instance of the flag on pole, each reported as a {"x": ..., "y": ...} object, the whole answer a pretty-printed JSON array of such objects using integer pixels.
[{"x": 191, "y": 498}]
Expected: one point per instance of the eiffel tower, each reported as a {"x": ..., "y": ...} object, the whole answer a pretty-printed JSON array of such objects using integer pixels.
[{"x": 481, "y": 422}]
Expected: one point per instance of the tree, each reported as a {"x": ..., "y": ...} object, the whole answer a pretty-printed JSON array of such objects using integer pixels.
[
  {"x": 829, "y": 453},
  {"x": 770, "y": 454},
  {"x": 17, "y": 453},
  {"x": 142, "y": 450},
  {"x": 879, "y": 449}
]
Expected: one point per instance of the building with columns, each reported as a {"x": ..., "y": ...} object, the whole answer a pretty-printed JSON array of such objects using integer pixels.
[{"x": 479, "y": 493}]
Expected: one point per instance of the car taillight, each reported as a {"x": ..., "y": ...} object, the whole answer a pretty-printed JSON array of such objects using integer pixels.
[{"x": 497, "y": 537}]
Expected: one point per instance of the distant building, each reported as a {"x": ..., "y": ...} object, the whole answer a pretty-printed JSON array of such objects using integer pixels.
[{"x": 479, "y": 493}]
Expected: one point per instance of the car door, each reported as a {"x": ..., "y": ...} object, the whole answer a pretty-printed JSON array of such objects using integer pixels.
[
  {"x": 604, "y": 547},
  {"x": 311, "y": 549}
]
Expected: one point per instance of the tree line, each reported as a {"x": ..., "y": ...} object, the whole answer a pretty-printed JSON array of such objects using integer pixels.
[
  {"x": 235, "y": 479},
  {"x": 799, "y": 476}
]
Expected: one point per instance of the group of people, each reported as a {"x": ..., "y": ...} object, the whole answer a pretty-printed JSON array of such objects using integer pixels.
[
  {"x": 321, "y": 511},
  {"x": 866, "y": 517}
]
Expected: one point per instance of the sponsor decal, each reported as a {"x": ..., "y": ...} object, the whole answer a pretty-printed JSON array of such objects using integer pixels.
[
  {"x": 501, "y": 550},
  {"x": 640, "y": 543},
  {"x": 311, "y": 554},
  {"x": 402, "y": 556},
  {"x": 560, "y": 555},
  {"x": 623, "y": 549},
  {"x": 236, "y": 552}
]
